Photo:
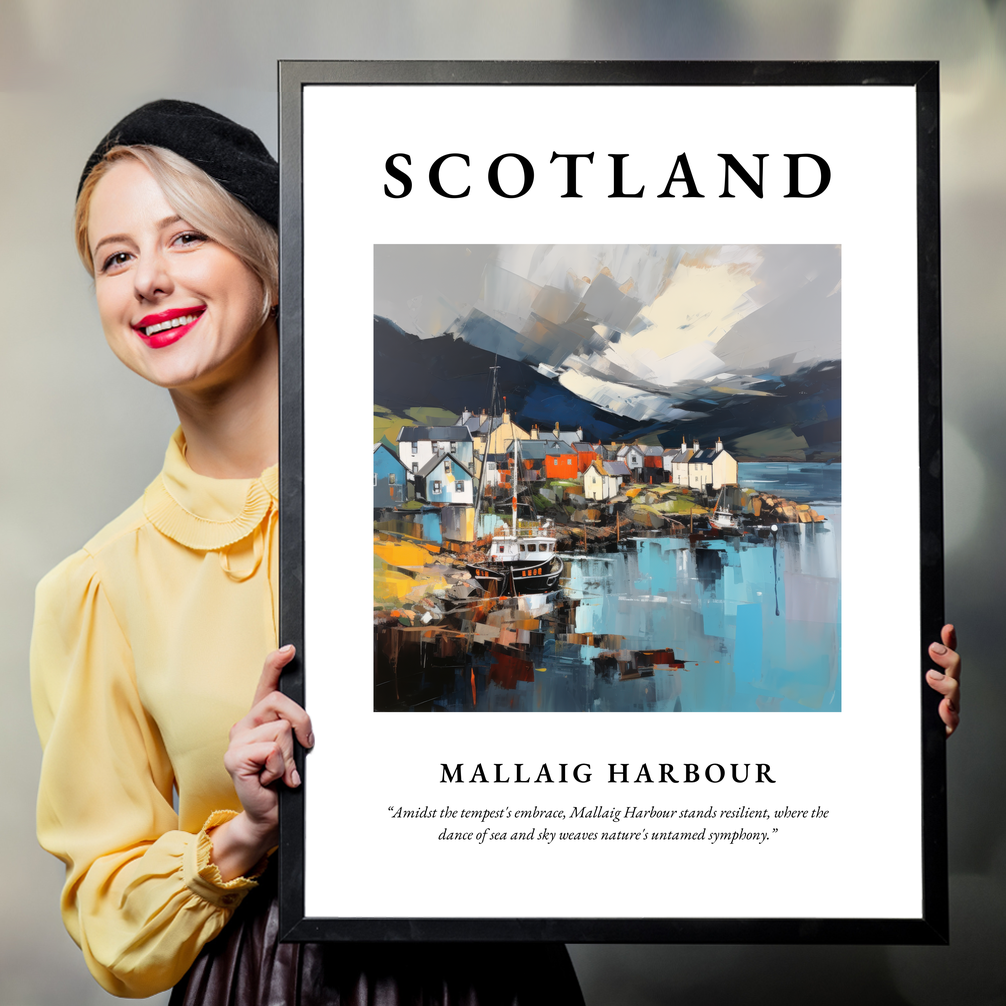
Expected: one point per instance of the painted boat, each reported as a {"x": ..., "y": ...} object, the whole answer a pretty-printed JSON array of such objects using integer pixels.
[
  {"x": 510, "y": 571},
  {"x": 521, "y": 557}
]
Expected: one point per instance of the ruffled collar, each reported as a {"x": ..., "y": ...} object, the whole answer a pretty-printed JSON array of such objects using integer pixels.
[{"x": 203, "y": 513}]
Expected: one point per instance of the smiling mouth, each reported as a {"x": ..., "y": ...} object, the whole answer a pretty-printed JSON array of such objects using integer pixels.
[{"x": 163, "y": 326}]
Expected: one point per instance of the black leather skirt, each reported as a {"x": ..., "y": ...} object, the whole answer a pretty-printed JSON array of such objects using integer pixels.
[{"x": 246, "y": 965}]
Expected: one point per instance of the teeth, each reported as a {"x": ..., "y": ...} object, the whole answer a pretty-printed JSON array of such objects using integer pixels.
[{"x": 174, "y": 323}]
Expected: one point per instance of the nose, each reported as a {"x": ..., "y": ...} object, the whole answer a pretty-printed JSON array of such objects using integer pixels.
[{"x": 152, "y": 277}]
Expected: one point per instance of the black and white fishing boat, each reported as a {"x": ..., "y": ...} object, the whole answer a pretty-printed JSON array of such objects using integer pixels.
[{"x": 521, "y": 556}]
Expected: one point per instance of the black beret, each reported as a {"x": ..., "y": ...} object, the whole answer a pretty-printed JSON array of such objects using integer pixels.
[{"x": 230, "y": 154}]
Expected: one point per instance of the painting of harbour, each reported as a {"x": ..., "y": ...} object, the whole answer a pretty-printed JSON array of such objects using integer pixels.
[{"x": 607, "y": 478}]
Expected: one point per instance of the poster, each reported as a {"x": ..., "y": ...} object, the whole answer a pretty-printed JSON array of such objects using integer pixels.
[{"x": 661, "y": 323}]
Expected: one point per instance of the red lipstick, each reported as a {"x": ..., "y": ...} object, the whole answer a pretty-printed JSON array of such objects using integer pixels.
[{"x": 165, "y": 333}]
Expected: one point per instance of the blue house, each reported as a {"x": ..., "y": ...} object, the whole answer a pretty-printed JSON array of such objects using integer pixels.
[{"x": 390, "y": 478}]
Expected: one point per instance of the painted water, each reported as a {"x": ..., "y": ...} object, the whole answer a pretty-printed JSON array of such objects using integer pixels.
[{"x": 664, "y": 624}]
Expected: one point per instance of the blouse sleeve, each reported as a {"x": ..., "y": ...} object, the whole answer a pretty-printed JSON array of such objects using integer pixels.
[{"x": 141, "y": 898}]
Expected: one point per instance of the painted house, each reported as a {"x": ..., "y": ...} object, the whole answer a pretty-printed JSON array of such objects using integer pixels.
[
  {"x": 568, "y": 437},
  {"x": 444, "y": 479},
  {"x": 390, "y": 478},
  {"x": 585, "y": 455},
  {"x": 653, "y": 464},
  {"x": 490, "y": 433},
  {"x": 493, "y": 466},
  {"x": 632, "y": 457},
  {"x": 724, "y": 467},
  {"x": 418, "y": 444},
  {"x": 560, "y": 460},
  {"x": 532, "y": 459},
  {"x": 679, "y": 463},
  {"x": 712, "y": 466},
  {"x": 603, "y": 479}
]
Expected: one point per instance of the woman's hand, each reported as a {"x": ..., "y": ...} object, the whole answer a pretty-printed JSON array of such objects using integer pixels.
[
  {"x": 947, "y": 682},
  {"x": 260, "y": 753}
]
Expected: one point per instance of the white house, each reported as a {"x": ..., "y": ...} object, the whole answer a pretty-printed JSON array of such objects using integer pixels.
[
  {"x": 712, "y": 466},
  {"x": 568, "y": 437},
  {"x": 444, "y": 479},
  {"x": 678, "y": 463},
  {"x": 724, "y": 467},
  {"x": 418, "y": 444},
  {"x": 632, "y": 457},
  {"x": 603, "y": 479}
]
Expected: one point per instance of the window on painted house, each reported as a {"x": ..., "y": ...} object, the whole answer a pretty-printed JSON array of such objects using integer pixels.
[
  {"x": 415, "y": 447},
  {"x": 415, "y": 466},
  {"x": 459, "y": 487},
  {"x": 447, "y": 468},
  {"x": 375, "y": 480},
  {"x": 391, "y": 480},
  {"x": 490, "y": 466},
  {"x": 437, "y": 487},
  {"x": 454, "y": 446}
]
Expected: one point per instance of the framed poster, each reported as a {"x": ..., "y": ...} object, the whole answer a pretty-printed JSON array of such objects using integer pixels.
[{"x": 611, "y": 431}]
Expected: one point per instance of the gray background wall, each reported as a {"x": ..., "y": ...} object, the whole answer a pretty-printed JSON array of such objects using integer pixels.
[{"x": 81, "y": 436}]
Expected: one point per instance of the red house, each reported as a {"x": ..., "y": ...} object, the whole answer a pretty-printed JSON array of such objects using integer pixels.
[
  {"x": 585, "y": 454},
  {"x": 560, "y": 461}
]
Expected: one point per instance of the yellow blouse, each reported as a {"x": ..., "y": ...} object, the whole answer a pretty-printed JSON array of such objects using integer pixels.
[{"x": 147, "y": 647}]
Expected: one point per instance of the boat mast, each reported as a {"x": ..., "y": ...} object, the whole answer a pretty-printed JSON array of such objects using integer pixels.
[
  {"x": 485, "y": 448},
  {"x": 513, "y": 481}
]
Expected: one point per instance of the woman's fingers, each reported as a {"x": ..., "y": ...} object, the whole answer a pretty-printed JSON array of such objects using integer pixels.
[
  {"x": 947, "y": 680},
  {"x": 277, "y": 706},
  {"x": 261, "y": 761},
  {"x": 949, "y": 636},
  {"x": 278, "y": 735},
  {"x": 271, "y": 671}
]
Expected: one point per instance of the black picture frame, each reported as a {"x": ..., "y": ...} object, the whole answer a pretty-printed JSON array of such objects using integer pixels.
[{"x": 932, "y": 925}]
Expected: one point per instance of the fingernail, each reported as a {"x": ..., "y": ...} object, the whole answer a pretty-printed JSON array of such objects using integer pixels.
[
  {"x": 287, "y": 649},
  {"x": 295, "y": 777},
  {"x": 951, "y": 706},
  {"x": 936, "y": 676},
  {"x": 938, "y": 648},
  {"x": 310, "y": 740}
]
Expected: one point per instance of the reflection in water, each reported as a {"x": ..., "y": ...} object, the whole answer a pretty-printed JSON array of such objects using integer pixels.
[{"x": 743, "y": 623}]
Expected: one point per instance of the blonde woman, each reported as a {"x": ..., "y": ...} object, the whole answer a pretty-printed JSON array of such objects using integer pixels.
[{"x": 154, "y": 660}]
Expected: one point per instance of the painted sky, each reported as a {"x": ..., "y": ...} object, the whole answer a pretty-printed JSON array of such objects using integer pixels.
[{"x": 637, "y": 330}]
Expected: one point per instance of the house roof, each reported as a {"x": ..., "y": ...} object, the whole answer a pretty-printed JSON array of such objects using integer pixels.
[
  {"x": 625, "y": 448},
  {"x": 582, "y": 447},
  {"x": 435, "y": 462},
  {"x": 533, "y": 450},
  {"x": 391, "y": 454},
  {"x": 556, "y": 448},
  {"x": 651, "y": 451},
  {"x": 612, "y": 468},
  {"x": 413, "y": 433}
]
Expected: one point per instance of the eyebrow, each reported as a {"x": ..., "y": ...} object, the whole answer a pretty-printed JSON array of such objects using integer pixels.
[{"x": 111, "y": 238}]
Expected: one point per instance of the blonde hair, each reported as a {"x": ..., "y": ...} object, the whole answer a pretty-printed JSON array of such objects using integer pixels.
[{"x": 199, "y": 200}]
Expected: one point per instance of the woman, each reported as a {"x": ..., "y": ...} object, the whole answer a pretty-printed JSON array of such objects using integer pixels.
[{"x": 149, "y": 643}]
